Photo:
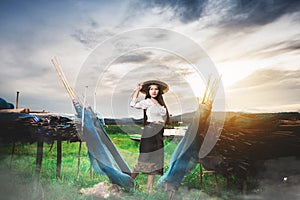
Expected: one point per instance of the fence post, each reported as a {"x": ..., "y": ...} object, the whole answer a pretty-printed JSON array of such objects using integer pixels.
[
  {"x": 58, "y": 161},
  {"x": 39, "y": 158}
]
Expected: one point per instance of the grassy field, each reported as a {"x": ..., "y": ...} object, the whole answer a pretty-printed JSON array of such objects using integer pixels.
[
  {"x": 248, "y": 147},
  {"x": 19, "y": 182}
]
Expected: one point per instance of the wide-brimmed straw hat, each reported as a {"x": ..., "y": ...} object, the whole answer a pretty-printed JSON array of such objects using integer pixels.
[{"x": 163, "y": 86}]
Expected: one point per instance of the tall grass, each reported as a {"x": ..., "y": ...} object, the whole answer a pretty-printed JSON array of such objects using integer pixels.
[{"x": 19, "y": 182}]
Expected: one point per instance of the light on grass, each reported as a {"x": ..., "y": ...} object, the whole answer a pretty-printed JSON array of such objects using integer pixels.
[{"x": 23, "y": 169}]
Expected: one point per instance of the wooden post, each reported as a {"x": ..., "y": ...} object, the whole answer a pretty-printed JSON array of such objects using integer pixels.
[
  {"x": 245, "y": 187},
  {"x": 208, "y": 172},
  {"x": 217, "y": 183},
  {"x": 12, "y": 154},
  {"x": 227, "y": 180},
  {"x": 17, "y": 100},
  {"x": 58, "y": 161},
  {"x": 39, "y": 158},
  {"x": 78, "y": 166},
  {"x": 91, "y": 171},
  {"x": 201, "y": 174}
]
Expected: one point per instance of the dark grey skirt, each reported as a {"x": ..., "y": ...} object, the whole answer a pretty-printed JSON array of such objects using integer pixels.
[{"x": 151, "y": 158}]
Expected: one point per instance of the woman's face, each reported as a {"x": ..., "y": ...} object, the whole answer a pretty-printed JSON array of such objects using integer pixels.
[{"x": 153, "y": 90}]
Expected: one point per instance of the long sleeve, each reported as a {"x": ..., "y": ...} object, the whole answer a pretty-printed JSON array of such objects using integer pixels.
[
  {"x": 143, "y": 104},
  {"x": 154, "y": 112}
]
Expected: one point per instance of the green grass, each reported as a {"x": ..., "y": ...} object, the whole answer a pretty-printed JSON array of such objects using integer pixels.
[{"x": 19, "y": 181}]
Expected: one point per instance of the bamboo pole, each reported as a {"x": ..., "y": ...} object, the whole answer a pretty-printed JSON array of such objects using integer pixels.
[
  {"x": 83, "y": 108},
  {"x": 82, "y": 127},
  {"x": 22, "y": 110},
  {"x": 63, "y": 78},
  {"x": 215, "y": 88},
  {"x": 205, "y": 92},
  {"x": 212, "y": 90},
  {"x": 72, "y": 96}
]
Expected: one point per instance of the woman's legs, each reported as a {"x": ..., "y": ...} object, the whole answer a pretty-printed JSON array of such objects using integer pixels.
[{"x": 150, "y": 182}]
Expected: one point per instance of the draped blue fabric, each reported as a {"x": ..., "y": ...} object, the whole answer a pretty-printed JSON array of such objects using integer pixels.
[
  {"x": 184, "y": 158},
  {"x": 103, "y": 154}
]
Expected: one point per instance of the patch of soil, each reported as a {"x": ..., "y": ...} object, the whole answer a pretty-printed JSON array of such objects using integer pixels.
[{"x": 102, "y": 190}]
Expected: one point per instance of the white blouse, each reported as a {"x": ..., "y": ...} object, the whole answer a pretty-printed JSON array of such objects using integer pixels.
[{"x": 154, "y": 112}]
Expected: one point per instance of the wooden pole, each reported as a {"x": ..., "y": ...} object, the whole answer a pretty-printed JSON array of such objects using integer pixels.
[
  {"x": 58, "y": 161},
  {"x": 82, "y": 127},
  {"x": 17, "y": 100},
  {"x": 39, "y": 158},
  {"x": 91, "y": 171},
  {"x": 12, "y": 154},
  {"x": 245, "y": 187},
  {"x": 78, "y": 166},
  {"x": 13, "y": 144},
  {"x": 201, "y": 174},
  {"x": 217, "y": 183}
]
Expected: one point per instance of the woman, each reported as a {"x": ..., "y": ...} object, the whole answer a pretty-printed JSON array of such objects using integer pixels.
[{"x": 151, "y": 158}]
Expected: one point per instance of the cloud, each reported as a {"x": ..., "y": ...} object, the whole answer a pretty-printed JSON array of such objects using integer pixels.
[
  {"x": 257, "y": 13},
  {"x": 269, "y": 89},
  {"x": 269, "y": 50},
  {"x": 121, "y": 79},
  {"x": 289, "y": 46},
  {"x": 134, "y": 58},
  {"x": 185, "y": 10},
  {"x": 286, "y": 79},
  {"x": 238, "y": 12},
  {"x": 223, "y": 21},
  {"x": 91, "y": 37},
  {"x": 237, "y": 35},
  {"x": 28, "y": 42}
]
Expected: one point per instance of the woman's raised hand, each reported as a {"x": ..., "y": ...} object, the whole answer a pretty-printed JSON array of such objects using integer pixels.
[
  {"x": 137, "y": 91},
  {"x": 139, "y": 87}
]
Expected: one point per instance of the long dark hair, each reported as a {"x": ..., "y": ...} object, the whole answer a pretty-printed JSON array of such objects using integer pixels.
[{"x": 160, "y": 100}]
